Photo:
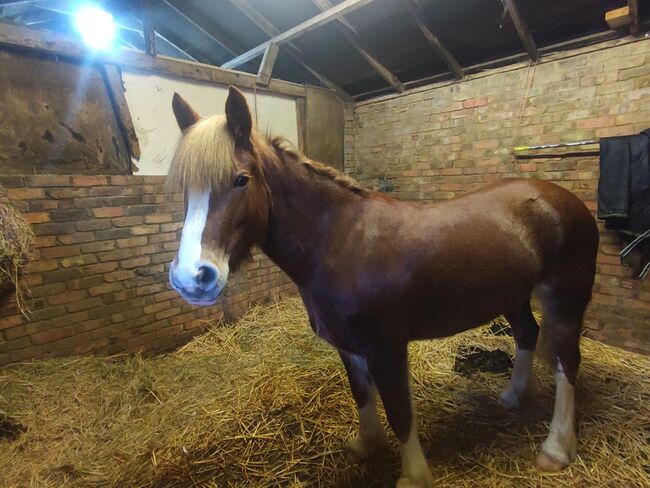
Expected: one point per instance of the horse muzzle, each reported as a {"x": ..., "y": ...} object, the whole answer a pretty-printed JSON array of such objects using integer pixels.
[{"x": 199, "y": 285}]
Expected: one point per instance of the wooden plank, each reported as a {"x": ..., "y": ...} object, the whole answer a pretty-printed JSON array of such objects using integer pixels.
[
  {"x": 324, "y": 127},
  {"x": 633, "y": 5},
  {"x": 57, "y": 44},
  {"x": 266, "y": 67},
  {"x": 148, "y": 28},
  {"x": 618, "y": 18},
  {"x": 245, "y": 7},
  {"x": 113, "y": 79},
  {"x": 349, "y": 32},
  {"x": 522, "y": 29},
  {"x": 295, "y": 32},
  {"x": 416, "y": 15},
  {"x": 301, "y": 122}
]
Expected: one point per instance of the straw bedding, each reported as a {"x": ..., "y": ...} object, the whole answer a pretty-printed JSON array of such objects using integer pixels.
[
  {"x": 16, "y": 237},
  {"x": 265, "y": 403}
]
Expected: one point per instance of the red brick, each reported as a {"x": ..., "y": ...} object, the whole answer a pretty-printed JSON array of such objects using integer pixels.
[
  {"x": 132, "y": 241},
  {"x": 60, "y": 252},
  {"x": 127, "y": 221},
  {"x": 108, "y": 212},
  {"x": 42, "y": 265},
  {"x": 596, "y": 122},
  {"x": 89, "y": 180},
  {"x": 37, "y": 217},
  {"x": 52, "y": 335},
  {"x": 67, "y": 297},
  {"x": 475, "y": 102},
  {"x": 25, "y": 193}
]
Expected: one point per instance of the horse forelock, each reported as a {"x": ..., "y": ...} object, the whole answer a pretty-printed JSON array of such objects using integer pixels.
[{"x": 204, "y": 157}]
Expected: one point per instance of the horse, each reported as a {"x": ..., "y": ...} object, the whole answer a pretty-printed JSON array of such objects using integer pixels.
[{"x": 375, "y": 272}]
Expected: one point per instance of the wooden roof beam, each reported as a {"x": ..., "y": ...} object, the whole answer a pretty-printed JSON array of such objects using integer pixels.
[
  {"x": 295, "y": 32},
  {"x": 254, "y": 15},
  {"x": 522, "y": 29},
  {"x": 349, "y": 32},
  {"x": 226, "y": 44},
  {"x": 136, "y": 25},
  {"x": 633, "y": 6},
  {"x": 68, "y": 47},
  {"x": 266, "y": 66},
  {"x": 416, "y": 15},
  {"x": 148, "y": 30}
]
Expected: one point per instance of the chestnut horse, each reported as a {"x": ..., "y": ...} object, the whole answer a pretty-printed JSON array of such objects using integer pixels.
[{"x": 375, "y": 272}]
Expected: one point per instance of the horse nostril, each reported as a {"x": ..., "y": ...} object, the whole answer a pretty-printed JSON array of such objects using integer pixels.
[{"x": 207, "y": 276}]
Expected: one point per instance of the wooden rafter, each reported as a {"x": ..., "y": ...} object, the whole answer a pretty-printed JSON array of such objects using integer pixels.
[
  {"x": 295, "y": 32},
  {"x": 148, "y": 30},
  {"x": 226, "y": 44},
  {"x": 633, "y": 5},
  {"x": 134, "y": 25},
  {"x": 417, "y": 16},
  {"x": 350, "y": 33},
  {"x": 254, "y": 15},
  {"x": 266, "y": 66},
  {"x": 522, "y": 29},
  {"x": 67, "y": 47}
]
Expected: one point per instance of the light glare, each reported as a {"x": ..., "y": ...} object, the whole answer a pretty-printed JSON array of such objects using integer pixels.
[{"x": 95, "y": 26}]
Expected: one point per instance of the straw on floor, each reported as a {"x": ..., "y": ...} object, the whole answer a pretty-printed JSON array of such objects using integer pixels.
[
  {"x": 264, "y": 403},
  {"x": 16, "y": 238}
]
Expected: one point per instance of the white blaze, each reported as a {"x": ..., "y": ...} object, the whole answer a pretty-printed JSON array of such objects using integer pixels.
[{"x": 189, "y": 252}]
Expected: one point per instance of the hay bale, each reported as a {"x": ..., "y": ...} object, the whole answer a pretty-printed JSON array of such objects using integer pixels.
[
  {"x": 264, "y": 403},
  {"x": 16, "y": 240}
]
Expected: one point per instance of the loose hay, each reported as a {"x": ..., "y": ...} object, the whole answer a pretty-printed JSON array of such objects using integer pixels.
[
  {"x": 265, "y": 403},
  {"x": 16, "y": 238}
]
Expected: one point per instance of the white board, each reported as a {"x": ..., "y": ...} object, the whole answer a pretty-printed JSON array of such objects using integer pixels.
[{"x": 150, "y": 102}]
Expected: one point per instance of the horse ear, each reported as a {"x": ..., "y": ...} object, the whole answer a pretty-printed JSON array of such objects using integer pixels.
[
  {"x": 185, "y": 116},
  {"x": 238, "y": 116}
]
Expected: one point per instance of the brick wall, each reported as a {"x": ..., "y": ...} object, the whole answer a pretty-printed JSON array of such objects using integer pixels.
[
  {"x": 99, "y": 281},
  {"x": 436, "y": 142}
]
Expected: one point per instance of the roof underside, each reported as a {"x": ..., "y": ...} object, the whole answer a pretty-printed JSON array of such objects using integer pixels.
[{"x": 216, "y": 31}]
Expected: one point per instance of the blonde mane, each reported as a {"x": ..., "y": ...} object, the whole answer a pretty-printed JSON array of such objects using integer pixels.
[
  {"x": 283, "y": 147},
  {"x": 204, "y": 157}
]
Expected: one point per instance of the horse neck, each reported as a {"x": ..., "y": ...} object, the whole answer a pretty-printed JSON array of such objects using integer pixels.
[{"x": 302, "y": 209}]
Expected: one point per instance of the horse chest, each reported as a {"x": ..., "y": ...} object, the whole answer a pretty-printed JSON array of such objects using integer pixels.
[{"x": 327, "y": 328}]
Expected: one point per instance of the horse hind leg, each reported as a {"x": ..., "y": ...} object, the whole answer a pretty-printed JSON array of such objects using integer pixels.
[
  {"x": 563, "y": 314},
  {"x": 522, "y": 382}
]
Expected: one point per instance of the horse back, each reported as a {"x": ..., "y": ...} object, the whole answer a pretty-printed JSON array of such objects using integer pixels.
[{"x": 444, "y": 268}]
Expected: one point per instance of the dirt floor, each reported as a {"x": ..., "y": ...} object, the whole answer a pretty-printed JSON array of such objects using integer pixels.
[{"x": 264, "y": 403}]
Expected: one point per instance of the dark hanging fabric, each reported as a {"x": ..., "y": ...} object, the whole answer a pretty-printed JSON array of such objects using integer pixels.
[{"x": 624, "y": 188}]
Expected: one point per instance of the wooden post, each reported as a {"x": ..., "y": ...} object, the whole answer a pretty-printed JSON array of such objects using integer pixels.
[
  {"x": 113, "y": 81},
  {"x": 633, "y": 5},
  {"x": 266, "y": 67},
  {"x": 148, "y": 27}
]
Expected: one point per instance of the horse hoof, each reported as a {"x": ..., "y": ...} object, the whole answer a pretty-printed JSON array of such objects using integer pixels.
[
  {"x": 406, "y": 482},
  {"x": 358, "y": 450},
  {"x": 509, "y": 399},
  {"x": 549, "y": 463}
]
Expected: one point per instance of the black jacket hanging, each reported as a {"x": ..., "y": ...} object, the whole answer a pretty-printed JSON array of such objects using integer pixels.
[{"x": 624, "y": 189}]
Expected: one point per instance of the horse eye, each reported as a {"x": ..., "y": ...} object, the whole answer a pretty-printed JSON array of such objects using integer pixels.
[{"x": 242, "y": 180}]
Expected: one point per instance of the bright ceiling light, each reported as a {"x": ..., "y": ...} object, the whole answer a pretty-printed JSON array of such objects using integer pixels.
[{"x": 95, "y": 26}]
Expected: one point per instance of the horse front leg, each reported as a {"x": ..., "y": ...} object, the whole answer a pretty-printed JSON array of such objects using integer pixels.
[
  {"x": 371, "y": 437},
  {"x": 388, "y": 367}
]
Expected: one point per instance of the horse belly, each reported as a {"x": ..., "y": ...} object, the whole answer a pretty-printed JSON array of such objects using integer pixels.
[{"x": 451, "y": 301}]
